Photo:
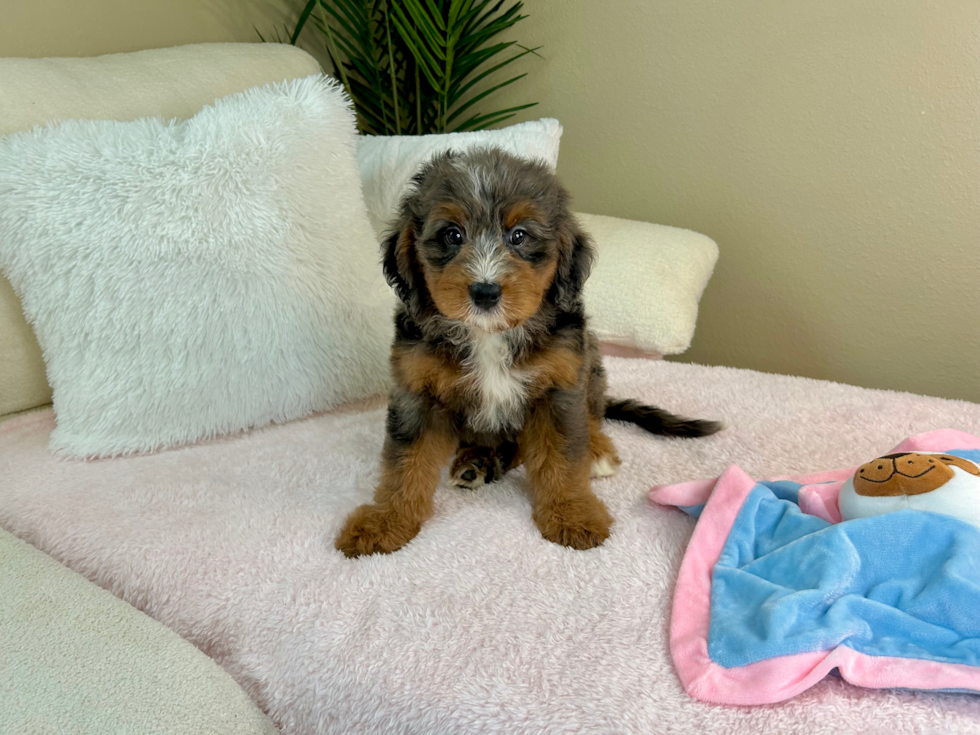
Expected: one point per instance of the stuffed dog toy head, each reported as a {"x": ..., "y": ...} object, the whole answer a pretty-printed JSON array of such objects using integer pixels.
[{"x": 937, "y": 482}]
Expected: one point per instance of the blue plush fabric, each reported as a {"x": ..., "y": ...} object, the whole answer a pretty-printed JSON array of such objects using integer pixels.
[
  {"x": 692, "y": 510},
  {"x": 971, "y": 454},
  {"x": 903, "y": 584},
  {"x": 780, "y": 488}
]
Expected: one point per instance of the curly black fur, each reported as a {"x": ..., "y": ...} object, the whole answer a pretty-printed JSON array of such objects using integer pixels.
[{"x": 656, "y": 420}]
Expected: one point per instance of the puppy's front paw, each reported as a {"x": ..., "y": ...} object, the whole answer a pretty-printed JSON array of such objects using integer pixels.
[
  {"x": 374, "y": 530},
  {"x": 582, "y": 523}
]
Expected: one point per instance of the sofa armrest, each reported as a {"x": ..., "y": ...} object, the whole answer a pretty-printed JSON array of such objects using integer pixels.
[
  {"x": 73, "y": 658},
  {"x": 646, "y": 284}
]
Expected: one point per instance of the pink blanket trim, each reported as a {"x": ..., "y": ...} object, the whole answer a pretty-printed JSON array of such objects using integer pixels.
[{"x": 778, "y": 679}]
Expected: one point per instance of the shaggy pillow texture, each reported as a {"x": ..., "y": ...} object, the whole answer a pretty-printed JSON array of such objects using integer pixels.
[
  {"x": 388, "y": 162},
  {"x": 196, "y": 278}
]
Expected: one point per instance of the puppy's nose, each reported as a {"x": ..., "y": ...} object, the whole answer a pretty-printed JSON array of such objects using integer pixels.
[{"x": 485, "y": 295}]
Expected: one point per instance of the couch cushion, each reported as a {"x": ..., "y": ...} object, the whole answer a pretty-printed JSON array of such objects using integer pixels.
[
  {"x": 74, "y": 658},
  {"x": 170, "y": 83},
  {"x": 647, "y": 281}
]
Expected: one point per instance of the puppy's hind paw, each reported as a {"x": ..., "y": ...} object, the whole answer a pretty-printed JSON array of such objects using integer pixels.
[
  {"x": 605, "y": 467},
  {"x": 474, "y": 467},
  {"x": 469, "y": 479}
]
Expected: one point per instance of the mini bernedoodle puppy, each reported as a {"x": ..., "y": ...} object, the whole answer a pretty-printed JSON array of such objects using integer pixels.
[{"x": 492, "y": 358}]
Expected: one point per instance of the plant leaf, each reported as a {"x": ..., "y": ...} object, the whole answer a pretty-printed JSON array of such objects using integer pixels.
[
  {"x": 494, "y": 122},
  {"x": 477, "y": 38},
  {"x": 303, "y": 17},
  {"x": 436, "y": 14},
  {"x": 456, "y": 92},
  {"x": 482, "y": 119},
  {"x": 414, "y": 66},
  {"x": 458, "y": 8},
  {"x": 428, "y": 64},
  {"x": 471, "y": 61},
  {"x": 466, "y": 105},
  {"x": 394, "y": 81},
  {"x": 418, "y": 18},
  {"x": 475, "y": 20}
]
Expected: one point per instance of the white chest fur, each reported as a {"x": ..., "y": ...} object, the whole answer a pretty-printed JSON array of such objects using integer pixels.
[{"x": 501, "y": 387}]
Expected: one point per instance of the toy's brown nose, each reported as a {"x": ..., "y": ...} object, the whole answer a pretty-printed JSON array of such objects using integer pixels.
[{"x": 485, "y": 295}]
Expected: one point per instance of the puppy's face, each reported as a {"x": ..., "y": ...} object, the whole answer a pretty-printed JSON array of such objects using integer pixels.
[
  {"x": 487, "y": 263},
  {"x": 486, "y": 238}
]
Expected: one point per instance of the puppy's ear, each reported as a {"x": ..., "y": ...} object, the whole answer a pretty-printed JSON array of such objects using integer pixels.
[
  {"x": 575, "y": 255},
  {"x": 398, "y": 261}
]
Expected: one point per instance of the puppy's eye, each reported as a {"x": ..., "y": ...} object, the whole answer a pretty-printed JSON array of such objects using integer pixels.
[
  {"x": 453, "y": 236},
  {"x": 518, "y": 236}
]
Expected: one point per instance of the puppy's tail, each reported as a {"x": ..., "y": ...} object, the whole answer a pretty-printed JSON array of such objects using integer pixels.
[{"x": 656, "y": 420}]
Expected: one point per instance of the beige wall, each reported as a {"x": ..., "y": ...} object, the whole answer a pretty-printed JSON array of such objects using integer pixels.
[
  {"x": 36, "y": 28},
  {"x": 831, "y": 148}
]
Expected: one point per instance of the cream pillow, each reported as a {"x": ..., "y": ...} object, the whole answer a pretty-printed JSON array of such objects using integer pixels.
[
  {"x": 196, "y": 278},
  {"x": 388, "y": 162},
  {"x": 645, "y": 285}
]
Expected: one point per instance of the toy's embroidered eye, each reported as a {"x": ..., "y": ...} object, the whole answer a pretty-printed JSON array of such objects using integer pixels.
[
  {"x": 518, "y": 236},
  {"x": 452, "y": 236}
]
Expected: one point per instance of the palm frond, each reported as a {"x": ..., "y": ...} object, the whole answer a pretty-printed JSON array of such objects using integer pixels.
[
  {"x": 456, "y": 92},
  {"x": 479, "y": 122},
  {"x": 303, "y": 17},
  {"x": 417, "y": 66}
]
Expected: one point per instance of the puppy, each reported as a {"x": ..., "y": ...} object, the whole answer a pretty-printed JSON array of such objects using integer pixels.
[{"x": 492, "y": 356}]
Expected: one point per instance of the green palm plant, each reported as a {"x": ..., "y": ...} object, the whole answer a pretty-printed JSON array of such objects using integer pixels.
[{"x": 415, "y": 66}]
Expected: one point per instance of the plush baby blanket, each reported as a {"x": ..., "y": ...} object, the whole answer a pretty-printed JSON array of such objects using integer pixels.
[{"x": 775, "y": 591}]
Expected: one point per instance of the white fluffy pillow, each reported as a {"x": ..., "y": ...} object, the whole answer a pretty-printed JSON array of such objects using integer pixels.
[
  {"x": 388, "y": 162},
  {"x": 196, "y": 278}
]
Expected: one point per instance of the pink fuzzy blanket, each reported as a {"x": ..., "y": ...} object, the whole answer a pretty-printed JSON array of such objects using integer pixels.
[{"x": 478, "y": 624}]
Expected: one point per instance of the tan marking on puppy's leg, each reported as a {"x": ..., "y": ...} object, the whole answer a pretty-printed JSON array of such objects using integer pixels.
[
  {"x": 605, "y": 460},
  {"x": 403, "y": 498},
  {"x": 566, "y": 511}
]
